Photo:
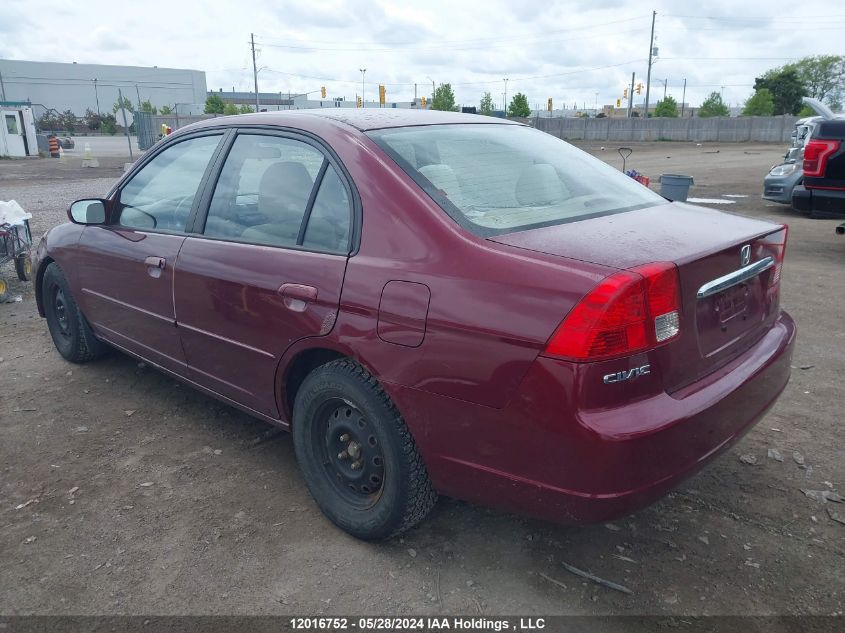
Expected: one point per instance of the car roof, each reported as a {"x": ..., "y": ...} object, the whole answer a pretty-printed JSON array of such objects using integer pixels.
[{"x": 362, "y": 119}]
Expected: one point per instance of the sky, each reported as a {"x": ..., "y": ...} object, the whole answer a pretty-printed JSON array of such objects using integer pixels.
[{"x": 577, "y": 52}]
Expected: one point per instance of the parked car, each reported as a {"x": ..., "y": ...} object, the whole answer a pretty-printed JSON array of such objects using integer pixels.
[
  {"x": 784, "y": 177},
  {"x": 434, "y": 303},
  {"x": 66, "y": 142},
  {"x": 823, "y": 192}
]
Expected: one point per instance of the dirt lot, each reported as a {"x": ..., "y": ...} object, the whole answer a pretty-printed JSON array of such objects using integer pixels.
[{"x": 122, "y": 491}]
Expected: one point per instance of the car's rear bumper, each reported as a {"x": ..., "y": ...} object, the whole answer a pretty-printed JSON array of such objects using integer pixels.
[
  {"x": 542, "y": 456},
  {"x": 819, "y": 203}
]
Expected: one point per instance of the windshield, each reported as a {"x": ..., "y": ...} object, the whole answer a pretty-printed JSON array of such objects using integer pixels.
[{"x": 495, "y": 179}]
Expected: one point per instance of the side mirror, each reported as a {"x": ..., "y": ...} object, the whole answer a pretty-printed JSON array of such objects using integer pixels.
[{"x": 87, "y": 212}]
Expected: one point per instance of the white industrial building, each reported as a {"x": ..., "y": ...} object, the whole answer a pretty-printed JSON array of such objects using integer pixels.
[{"x": 78, "y": 87}]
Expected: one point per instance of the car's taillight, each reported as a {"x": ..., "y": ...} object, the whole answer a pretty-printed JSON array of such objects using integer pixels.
[
  {"x": 774, "y": 246},
  {"x": 628, "y": 312},
  {"x": 816, "y": 153}
]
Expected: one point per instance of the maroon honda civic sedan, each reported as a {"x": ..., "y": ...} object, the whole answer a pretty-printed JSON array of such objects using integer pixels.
[{"x": 433, "y": 303}]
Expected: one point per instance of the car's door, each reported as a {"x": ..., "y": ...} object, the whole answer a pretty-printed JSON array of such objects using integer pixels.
[
  {"x": 264, "y": 267},
  {"x": 126, "y": 269}
]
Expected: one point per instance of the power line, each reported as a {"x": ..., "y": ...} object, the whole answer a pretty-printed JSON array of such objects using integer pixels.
[
  {"x": 400, "y": 44},
  {"x": 465, "y": 83},
  {"x": 754, "y": 18},
  {"x": 445, "y": 48}
]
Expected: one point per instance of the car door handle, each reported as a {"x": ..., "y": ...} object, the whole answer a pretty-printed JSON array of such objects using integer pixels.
[
  {"x": 296, "y": 297},
  {"x": 155, "y": 265}
]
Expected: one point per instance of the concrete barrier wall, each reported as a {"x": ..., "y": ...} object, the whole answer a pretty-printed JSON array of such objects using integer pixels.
[{"x": 776, "y": 129}]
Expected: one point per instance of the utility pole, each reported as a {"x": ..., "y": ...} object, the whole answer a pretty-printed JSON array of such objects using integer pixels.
[
  {"x": 254, "y": 68},
  {"x": 684, "y": 97},
  {"x": 650, "y": 55},
  {"x": 415, "y": 94},
  {"x": 125, "y": 127},
  {"x": 596, "y": 106},
  {"x": 363, "y": 74},
  {"x": 631, "y": 97},
  {"x": 138, "y": 92},
  {"x": 96, "y": 95},
  {"x": 505, "y": 108},
  {"x": 664, "y": 88}
]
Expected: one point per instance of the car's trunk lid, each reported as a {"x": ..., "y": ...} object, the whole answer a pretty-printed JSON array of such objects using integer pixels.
[{"x": 705, "y": 245}]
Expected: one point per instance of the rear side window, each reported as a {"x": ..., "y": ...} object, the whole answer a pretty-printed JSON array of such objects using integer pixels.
[
  {"x": 160, "y": 196},
  {"x": 264, "y": 191},
  {"x": 495, "y": 179}
]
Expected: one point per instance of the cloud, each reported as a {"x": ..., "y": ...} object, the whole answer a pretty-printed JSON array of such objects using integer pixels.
[{"x": 574, "y": 46}]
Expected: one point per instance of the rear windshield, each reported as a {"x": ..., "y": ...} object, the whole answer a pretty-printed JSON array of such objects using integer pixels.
[{"x": 495, "y": 179}]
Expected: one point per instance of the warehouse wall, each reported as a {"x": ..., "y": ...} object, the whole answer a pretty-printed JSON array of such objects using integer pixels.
[{"x": 72, "y": 87}]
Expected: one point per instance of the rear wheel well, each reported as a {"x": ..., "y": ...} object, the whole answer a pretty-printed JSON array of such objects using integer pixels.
[
  {"x": 39, "y": 277},
  {"x": 301, "y": 366}
]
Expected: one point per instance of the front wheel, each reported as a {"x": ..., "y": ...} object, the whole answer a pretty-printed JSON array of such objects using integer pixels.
[
  {"x": 70, "y": 330},
  {"x": 356, "y": 454}
]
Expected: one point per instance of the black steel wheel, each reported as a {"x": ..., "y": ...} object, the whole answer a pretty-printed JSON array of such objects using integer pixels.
[
  {"x": 23, "y": 267},
  {"x": 357, "y": 456},
  {"x": 350, "y": 453},
  {"x": 68, "y": 327}
]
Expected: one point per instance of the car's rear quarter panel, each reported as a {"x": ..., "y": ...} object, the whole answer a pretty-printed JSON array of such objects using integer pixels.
[{"x": 491, "y": 308}]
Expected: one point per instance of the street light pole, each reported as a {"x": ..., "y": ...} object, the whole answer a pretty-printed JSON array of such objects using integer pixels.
[
  {"x": 363, "y": 74},
  {"x": 505, "y": 98},
  {"x": 683, "y": 97}
]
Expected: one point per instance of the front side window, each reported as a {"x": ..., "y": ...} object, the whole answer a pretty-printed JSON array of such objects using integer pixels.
[
  {"x": 160, "y": 196},
  {"x": 264, "y": 192},
  {"x": 495, "y": 179}
]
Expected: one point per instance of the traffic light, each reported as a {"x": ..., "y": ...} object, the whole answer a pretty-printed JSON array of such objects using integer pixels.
[
  {"x": 625, "y": 93},
  {"x": 381, "y": 94},
  {"x": 358, "y": 103},
  {"x": 423, "y": 101},
  {"x": 323, "y": 92},
  {"x": 639, "y": 88},
  {"x": 550, "y": 107},
  {"x": 618, "y": 103}
]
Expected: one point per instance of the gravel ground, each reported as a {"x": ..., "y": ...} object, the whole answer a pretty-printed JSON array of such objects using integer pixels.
[{"x": 122, "y": 491}]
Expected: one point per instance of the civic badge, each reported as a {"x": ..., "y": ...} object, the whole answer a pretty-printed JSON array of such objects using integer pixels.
[{"x": 745, "y": 255}]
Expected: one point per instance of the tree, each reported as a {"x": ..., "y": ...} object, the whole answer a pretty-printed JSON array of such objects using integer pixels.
[
  {"x": 486, "y": 104},
  {"x": 713, "y": 106},
  {"x": 519, "y": 106},
  {"x": 214, "y": 104},
  {"x": 245, "y": 109},
  {"x": 444, "y": 98},
  {"x": 823, "y": 76},
  {"x": 146, "y": 106},
  {"x": 93, "y": 120},
  {"x": 668, "y": 107},
  {"x": 230, "y": 108},
  {"x": 123, "y": 102},
  {"x": 786, "y": 88},
  {"x": 109, "y": 124},
  {"x": 49, "y": 121},
  {"x": 165, "y": 109},
  {"x": 760, "y": 103}
]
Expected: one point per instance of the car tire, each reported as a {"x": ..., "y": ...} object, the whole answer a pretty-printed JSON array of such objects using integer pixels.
[
  {"x": 357, "y": 456},
  {"x": 23, "y": 267},
  {"x": 72, "y": 335}
]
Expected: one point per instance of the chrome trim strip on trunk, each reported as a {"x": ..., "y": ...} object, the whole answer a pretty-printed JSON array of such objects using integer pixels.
[{"x": 734, "y": 278}]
